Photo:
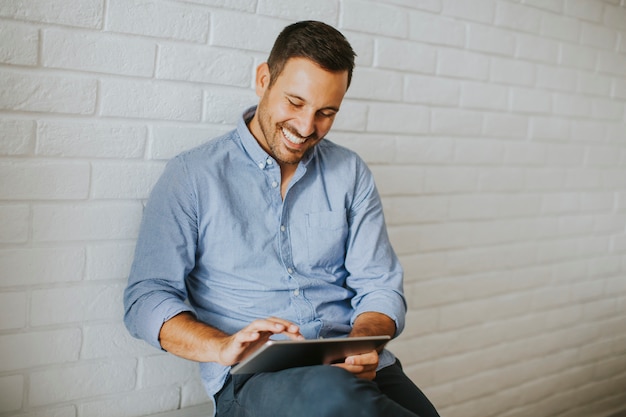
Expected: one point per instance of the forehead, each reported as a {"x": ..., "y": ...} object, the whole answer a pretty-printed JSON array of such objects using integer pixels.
[{"x": 306, "y": 79}]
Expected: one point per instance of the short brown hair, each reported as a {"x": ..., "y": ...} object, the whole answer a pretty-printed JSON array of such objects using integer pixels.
[{"x": 317, "y": 41}]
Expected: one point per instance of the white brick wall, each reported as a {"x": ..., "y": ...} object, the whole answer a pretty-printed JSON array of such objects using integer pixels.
[{"x": 496, "y": 130}]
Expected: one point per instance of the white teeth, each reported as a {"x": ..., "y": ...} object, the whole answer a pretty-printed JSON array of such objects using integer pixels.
[{"x": 293, "y": 138}]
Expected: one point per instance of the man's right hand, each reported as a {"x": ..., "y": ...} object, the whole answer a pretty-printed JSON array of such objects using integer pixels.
[
  {"x": 237, "y": 347},
  {"x": 183, "y": 335}
]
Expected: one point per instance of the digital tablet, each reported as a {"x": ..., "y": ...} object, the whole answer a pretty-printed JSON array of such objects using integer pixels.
[{"x": 276, "y": 355}]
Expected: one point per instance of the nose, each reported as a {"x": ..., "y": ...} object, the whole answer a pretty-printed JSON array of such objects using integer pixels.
[{"x": 305, "y": 124}]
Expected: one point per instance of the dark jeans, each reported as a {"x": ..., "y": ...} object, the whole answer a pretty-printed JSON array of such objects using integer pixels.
[{"x": 322, "y": 391}]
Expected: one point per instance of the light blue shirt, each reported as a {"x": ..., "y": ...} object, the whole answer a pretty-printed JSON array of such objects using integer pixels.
[{"x": 217, "y": 233}]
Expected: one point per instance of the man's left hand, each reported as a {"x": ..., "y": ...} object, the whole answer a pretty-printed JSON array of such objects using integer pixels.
[{"x": 363, "y": 365}]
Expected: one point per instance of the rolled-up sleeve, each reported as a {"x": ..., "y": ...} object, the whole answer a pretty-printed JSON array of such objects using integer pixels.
[
  {"x": 164, "y": 256},
  {"x": 375, "y": 273}
]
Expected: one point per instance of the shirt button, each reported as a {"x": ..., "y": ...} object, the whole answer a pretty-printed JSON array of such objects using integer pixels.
[
  {"x": 261, "y": 165},
  {"x": 296, "y": 292},
  {"x": 269, "y": 161},
  {"x": 274, "y": 184},
  {"x": 282, "y": 228},
  {"x": 290, "y": 270}
]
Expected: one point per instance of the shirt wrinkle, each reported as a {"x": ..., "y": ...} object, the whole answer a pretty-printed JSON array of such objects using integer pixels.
[{"x": 249, "y": 253}]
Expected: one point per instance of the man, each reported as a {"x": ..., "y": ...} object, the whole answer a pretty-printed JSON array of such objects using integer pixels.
[{"x": 273, "y": 231}]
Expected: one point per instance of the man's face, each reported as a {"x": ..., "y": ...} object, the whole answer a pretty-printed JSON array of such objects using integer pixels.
[{"x": 298, "y": 110}]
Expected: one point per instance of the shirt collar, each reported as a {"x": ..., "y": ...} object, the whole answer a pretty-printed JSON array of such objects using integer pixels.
[{"x": 252, "y": 147}]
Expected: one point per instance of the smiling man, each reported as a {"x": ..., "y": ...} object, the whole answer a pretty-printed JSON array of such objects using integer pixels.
[{"x": 273, "y": 231}]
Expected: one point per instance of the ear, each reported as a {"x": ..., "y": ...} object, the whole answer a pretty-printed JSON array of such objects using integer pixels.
[{"x": 262, "y": 79}]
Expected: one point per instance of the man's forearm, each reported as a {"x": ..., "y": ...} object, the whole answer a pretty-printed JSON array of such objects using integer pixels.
[
  {"x": 184, "y": 336},
  {"x": 373, "y": 324}
]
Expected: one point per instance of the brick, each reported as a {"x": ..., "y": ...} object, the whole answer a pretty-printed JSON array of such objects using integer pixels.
[
  {"x": 87, "y": 14},
  {"x": 226, "y": 106},
  {"x": 404, "y": 209},
  {"x": 387, "y": 179},
  {"x": 94, "y": 139},
  {"x": 247, "y": 32},
  {"x": 450, "y": 179},
  {"x": 123, "y": 180},
  {"x": 560, "y": 203},
  {"x": 553, "y": 78},
  {"x": 577, "y": 56},
  {"x": 504, "y": 125},
  {"x": 150, "y": 100},
  {"x": 563, "y": 28},
  {"x": 363, "y": 46},
  {"x": 158, "y": 19},
  {"x": 82, "y": 380},
  {"x": 501, "y": 179},
  {"x": 517, "y": 17},
  {"x": 201, "y": 64},
  {"x": 551, "y": 5},
  {"x": 243, "y": 5},
  {"x": 322, "y": 10},
  {"x": 14, "y": 223},
  {"x": 462, "y": 64},
  {"x": 12, "y": 310},
  {"x": 169, "y": 141},
  {"x": 424, "y": 27},
  {"x": 545, "y": 179},
  {"x": 530, "y": 101},
  {"x": 602, "y": 156},
  {"x": 508, "y": 71},
  {"x": 11, "y": 393},
  {"x": 484, "y": 96},
  {"x": 478, "y": 152},
  {"x": 490, "y": 40},
  {"x": 456, "y": 122},
  {"x": 141, "y": 402},
  {"x": 543, "y": 128},
  {"x": 480, "y": 11},
  {"x": 428, "y": 5},
  {"x": 44, "y": 180},
  {"x": 373, "y": 148},
  {"x": 91, "y": 303},
  {"x": 112, "y": 340},
  {"x": 39, "y": 348},
  {"x": 585, "y": 10},
  {"x": 608, "y": 109},
  {"x": 98, "y": 53},
  {"x": 20, "y": 44},
  {"x": 375, "y": 18},
  {"x": 99, "y": 265},
  {"x": 352, "y": 117},
  {"x": 22, "y": 91},
  {"x": 160, "y": 370},
  {"x": 431, "y": 90},
  {"x": 571, "y": 105},
  {"x": 611, "y": 63},
  {"x": 420, "y": 150},
  {"x": 405, "y": 56},
  {"x": 398, "y": 118},
  {"x": 578, "y": 179},
  {"x": 537, "y": 49},
  {"x": 30, "y": 266},
  {"x": 594, "y": 84},
  {"x": 17, "y": 137},
  {"x": 589, "y": 131},
  {"x": 376, "y": 85},
  {"x": 89, "y": 221},
  {"x": 598, "y": 37}
]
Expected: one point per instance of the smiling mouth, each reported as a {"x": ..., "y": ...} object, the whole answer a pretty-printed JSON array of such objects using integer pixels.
[{"x": 296, "y": 140}]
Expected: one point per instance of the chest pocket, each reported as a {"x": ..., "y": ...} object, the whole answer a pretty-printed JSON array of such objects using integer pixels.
[{"x": 327, "y": 232}]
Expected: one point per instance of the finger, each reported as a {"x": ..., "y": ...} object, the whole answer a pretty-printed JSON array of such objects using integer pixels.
[{"x": 365, "y": 359}]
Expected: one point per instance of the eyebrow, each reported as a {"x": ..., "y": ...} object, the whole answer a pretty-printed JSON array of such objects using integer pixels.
[{"x": 297, "y": 97}]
